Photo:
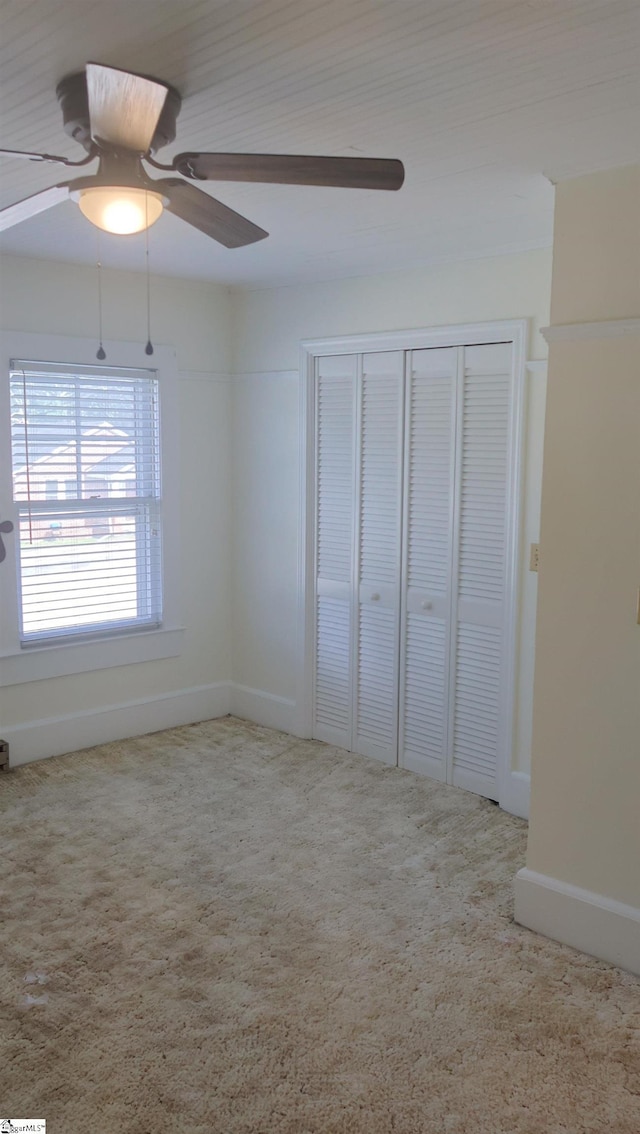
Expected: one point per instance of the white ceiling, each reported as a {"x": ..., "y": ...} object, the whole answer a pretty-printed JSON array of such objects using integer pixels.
[{"x": 479, "y": 98}]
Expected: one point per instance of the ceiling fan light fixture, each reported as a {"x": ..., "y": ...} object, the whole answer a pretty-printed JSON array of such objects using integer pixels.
[{"x": 121, "y": 209}]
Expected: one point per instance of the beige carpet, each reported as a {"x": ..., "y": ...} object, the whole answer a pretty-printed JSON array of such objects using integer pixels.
[{"x": 221, "y": 929}]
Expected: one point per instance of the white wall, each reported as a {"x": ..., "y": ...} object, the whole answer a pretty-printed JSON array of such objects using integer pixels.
[
  {"x": 240, "y": 472},
  {"x": 268, "y": 328},
  {"x": 265, "y": 541},
  {"x": 582, "y": 881},
  {"x": 269, "y": 324},
  {"x": 38, "y": 296}
]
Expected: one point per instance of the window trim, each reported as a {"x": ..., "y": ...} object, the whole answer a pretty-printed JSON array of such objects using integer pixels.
[{"x": 18, "y": 665}]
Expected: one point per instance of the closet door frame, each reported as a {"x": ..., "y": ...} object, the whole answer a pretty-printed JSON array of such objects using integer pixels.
[{"x": 514, "y": 331}]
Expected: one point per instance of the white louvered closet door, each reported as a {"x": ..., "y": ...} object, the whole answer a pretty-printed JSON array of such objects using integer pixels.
[
  {"x": 478, "y": 687},
  {"x": 378, "y": 554},
  {"x": 335, "y": 408},
  {"x": 414, "y": 453},
  {"x": 427, "y": 555}
]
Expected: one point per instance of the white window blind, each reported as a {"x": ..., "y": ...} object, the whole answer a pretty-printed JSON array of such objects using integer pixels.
[{"x": 86, "y": 481}]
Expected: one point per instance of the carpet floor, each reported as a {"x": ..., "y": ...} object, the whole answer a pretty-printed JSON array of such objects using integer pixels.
[{"x": 221, "y": 929}]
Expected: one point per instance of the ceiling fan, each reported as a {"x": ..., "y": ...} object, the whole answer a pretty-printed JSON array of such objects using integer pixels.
[{"x": 122, "y": 119}]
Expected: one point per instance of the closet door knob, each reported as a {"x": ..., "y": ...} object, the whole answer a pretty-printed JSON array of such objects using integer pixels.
[
  {"x": 427, "y": 606},
  {"x": 375, "y": 596}
]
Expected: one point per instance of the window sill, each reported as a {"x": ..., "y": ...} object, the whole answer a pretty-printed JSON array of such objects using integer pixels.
[{"x": 66, "y": 659}]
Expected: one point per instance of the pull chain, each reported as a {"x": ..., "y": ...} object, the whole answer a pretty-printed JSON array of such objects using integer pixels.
[
  {"x": 101, "y": 352},
  {"x": 149, "y": 347}
]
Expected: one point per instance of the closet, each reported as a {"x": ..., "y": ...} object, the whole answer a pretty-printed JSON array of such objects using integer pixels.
[{"x": 414, "y": 543}]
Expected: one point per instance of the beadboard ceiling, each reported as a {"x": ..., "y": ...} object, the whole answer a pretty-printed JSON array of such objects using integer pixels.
[{"x": 479, "y": 98}]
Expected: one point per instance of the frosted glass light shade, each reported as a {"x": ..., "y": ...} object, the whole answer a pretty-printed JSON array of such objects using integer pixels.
[{"x": 121, "y": 209}]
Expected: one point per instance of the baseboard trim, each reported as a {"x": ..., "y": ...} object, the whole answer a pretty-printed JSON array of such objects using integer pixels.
[
  {"x": 262, "y": 708},
  {"x": 514, "y": 795},
  {"x": 53, "y": 736},
  {"x": 603, "y": 927}
]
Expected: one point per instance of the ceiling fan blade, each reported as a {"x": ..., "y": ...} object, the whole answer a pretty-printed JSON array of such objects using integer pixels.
[
  {"x": 207, "y": 214},
  {"x": 34, "y": 157},
  {"x": 31, "y": 206},
  {"x": 293, "y": 169},
  {"x": 123, "y": 108}
]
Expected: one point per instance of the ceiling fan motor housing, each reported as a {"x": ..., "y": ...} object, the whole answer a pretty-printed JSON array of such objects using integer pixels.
[{"x": 74, "y": 102}]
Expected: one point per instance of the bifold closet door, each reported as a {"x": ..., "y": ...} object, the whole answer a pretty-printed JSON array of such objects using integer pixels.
[
  {"x": 453, "y": 676},
  {"x": 427, "y": 556},
  {"x": 413, "y": 460},
  {"x": 479, "y": 686},
  {"x": 335, "y": 429},
  {"x": 378, "y": 554},
  {"x": 358, "y": 446}
]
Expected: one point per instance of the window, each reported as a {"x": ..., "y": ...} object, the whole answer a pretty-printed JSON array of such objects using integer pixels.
[
  {"x": 142, "y": 491},
  {"x": 85, "y": 444}
]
